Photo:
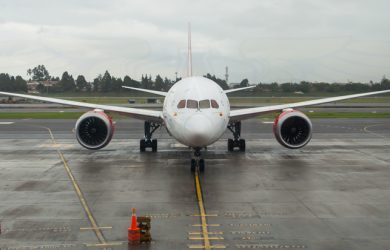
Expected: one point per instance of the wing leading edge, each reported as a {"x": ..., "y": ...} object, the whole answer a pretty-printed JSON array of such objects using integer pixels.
[
  {"x": 156, "y": 92},
  {"x": 242, "y": 114},
  {"x": 141, "y": 114},
  {"x": 238, "y": 89}
]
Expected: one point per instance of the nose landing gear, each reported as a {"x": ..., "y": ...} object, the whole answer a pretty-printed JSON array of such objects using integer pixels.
[
  {"x": 147, "y": 142},
  {"x": 237, "y": 142},
  {"x": 197, "y": 162}
]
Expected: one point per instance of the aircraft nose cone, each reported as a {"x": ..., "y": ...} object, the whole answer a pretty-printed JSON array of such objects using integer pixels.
[{"x": 199, "y": 130}]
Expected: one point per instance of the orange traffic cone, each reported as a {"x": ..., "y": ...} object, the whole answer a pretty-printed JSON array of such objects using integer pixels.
[{"x": 133, "y": 232}]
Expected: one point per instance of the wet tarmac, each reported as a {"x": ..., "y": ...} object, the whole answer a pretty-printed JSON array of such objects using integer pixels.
[{"x": 332, "y": 194}]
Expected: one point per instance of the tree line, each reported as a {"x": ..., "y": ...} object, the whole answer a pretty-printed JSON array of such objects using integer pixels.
[
  {"x": 107, "y": 83},
  {"x": 11, "y": 83},
  {"x": 322, "y": 87}
]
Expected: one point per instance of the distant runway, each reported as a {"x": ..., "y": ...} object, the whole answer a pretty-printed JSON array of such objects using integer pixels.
[{"x": 332, "y": 194}]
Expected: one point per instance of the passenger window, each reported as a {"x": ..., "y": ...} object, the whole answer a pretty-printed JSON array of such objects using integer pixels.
[
  {"x": 214, "y": 104},
  {"x": 181, "y": 104},
  {"x": 204, "y": 104},
  {"x": 192, "y": 104}
]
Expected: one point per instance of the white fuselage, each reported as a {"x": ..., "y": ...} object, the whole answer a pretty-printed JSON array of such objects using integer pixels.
[{"x": 196, "y": 111}]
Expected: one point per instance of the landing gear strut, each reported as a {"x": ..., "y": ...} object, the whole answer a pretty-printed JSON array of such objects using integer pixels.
[
  {"x": 147, "y": 142},
  {"x": 197, "y": 161},
  {"x": 237, "y": 142}
]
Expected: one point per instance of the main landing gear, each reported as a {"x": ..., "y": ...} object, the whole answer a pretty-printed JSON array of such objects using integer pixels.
[
  {"x": 147, "y": 142},
  {"x": 237, "y": 142},
  {"x": 197, "y": 161}
]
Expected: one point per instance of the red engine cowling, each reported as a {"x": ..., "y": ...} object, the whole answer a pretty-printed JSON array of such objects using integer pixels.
[
  {"x": 292, "y": 129},
  {"x": 94, "y": 129}
]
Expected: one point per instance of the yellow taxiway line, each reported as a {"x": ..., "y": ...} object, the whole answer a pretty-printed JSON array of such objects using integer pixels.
[
  {"x": 205, "y": 232},
  {"x": 94, "y": 224}
]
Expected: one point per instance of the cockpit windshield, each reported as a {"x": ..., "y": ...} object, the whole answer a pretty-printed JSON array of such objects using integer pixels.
[
  {"x": 181, "y": 104},
  {"x": 204, "y": 104},
  {"x": 214, "y": 104},
  {"x": 193, "y": 104}
]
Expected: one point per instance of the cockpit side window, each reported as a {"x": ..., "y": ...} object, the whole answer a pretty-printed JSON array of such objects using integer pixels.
[
  {"x": 204, "y": 104},
  {"x": 214, "y": 104},
  {"x": 192, "y": 104},
  {"x": 181, "y": 104}
]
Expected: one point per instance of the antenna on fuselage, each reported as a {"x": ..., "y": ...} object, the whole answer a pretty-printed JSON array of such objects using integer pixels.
[{"x": 189, "y": 66}]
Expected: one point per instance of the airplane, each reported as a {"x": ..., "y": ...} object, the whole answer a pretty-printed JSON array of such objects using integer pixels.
[{"x": 196, "y": 112}]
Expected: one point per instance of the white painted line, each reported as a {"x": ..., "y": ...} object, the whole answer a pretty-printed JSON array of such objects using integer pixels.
[
  {"x": 268, "y": 122},
  {"x": 6, "y": 123}
]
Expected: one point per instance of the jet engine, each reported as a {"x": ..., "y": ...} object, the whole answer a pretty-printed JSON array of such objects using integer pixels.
[
  {"x": 292, "y": 129},
  {"x": 94, "y": 129}
]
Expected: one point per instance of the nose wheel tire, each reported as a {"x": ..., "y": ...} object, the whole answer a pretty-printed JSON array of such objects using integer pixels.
[
  {"x": 201, "y": 165},
  {"x": 197, "y": 164},
  {"x": 193, "y": 165}
]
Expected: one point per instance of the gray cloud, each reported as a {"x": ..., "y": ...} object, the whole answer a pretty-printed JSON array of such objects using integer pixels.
[{"x": 269, "y": 40}]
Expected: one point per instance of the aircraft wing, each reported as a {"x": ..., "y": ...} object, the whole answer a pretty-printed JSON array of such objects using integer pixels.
[
  {"x": 238, "y": 89},
  {"x": 242, "y": 114},
  {"x": 162, "y": 93},
  {"x": 141, "y": 114}
]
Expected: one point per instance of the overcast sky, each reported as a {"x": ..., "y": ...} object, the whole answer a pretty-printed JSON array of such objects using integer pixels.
[{"x": 262, "y": 40}]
